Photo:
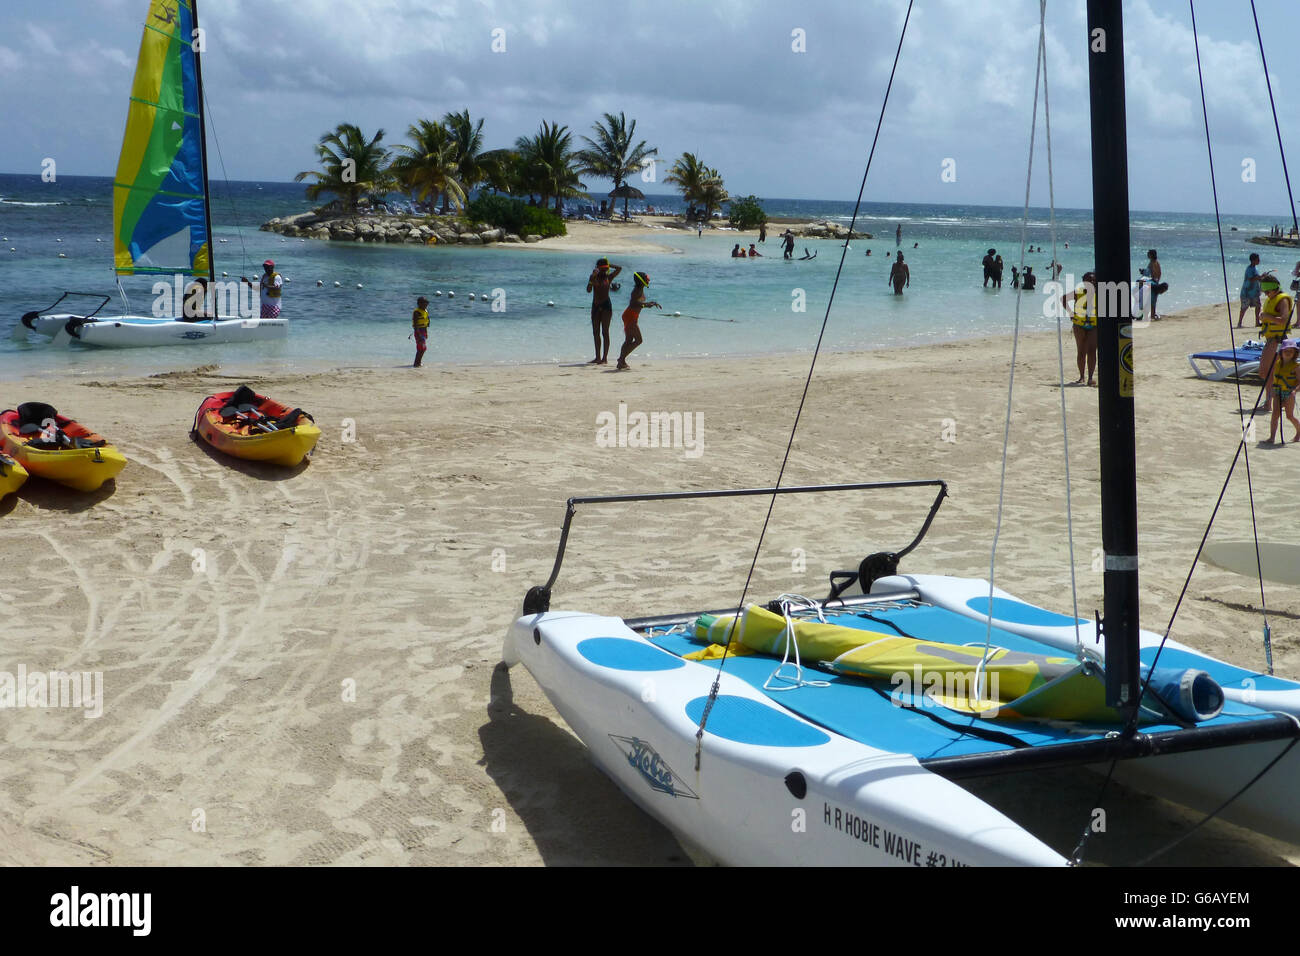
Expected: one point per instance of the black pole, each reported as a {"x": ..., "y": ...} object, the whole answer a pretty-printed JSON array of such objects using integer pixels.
[
  {"x": 1114, "y": 352},
  {"x": 203, "y": 144}
]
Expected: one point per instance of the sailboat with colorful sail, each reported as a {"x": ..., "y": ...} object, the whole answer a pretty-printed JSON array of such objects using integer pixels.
[
  {"x": 846, "y": 730},
  {"x": 162, "y": 224}
]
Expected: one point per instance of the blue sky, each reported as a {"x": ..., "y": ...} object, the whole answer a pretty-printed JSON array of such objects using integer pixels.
[{"x": 721, "y": 79}]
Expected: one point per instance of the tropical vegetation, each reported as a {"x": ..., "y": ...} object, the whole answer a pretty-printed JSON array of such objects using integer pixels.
[
  {"x": 746, "y": 213},
  {"x": 355, "y": 168},
  {"x": 612, "y": 155},
  {"x": 700, "y": 185}
]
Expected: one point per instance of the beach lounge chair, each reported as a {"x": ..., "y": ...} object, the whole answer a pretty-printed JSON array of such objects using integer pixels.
[{"x": 1227, "y": 363}]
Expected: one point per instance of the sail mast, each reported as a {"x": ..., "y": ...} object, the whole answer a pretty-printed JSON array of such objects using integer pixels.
[
  {"x": 1114, "y": 351},
  {"x": 203, "y": 139}
]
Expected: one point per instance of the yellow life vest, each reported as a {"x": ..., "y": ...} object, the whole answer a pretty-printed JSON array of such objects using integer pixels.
[
  {"x": 1285, "y": 373},
  {"x": 1085, "y": 308},
  {"x": 420, "y": 319},
  {"x": 271, "y": 291},
  {"x": 1273, "y": 324}
]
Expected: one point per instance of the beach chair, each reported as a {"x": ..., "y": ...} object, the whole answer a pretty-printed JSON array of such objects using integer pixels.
[{"x": 1227, "y": 363}]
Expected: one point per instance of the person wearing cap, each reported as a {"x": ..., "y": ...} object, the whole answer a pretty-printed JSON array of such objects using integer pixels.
[
  {"x": 631, "y": 314},
  {"x": 1250, "y": 290},
  {"x": 1286, "y": 371},
  {"x": 420, "y": 329},
  {"x": 602, "y": 309},
  {"x": 1275, "y": 318},
  {"x": 1082, "y": 304},
  {"x": 269, "y": 284}
]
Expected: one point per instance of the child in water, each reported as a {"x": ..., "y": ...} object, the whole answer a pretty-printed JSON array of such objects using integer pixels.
[
  {"x": 1285, "y": 373},
  {"x": 630, "y": 316}
]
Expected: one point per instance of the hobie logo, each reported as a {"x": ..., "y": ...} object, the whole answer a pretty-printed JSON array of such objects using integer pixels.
[{"x": 652, "y": 767}]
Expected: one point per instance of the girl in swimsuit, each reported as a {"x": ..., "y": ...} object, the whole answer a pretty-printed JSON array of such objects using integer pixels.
[
  {"x": 1285, "y": 373},
  {"x": 602, "y": 310},
  {"x": 631, "y": 314}
]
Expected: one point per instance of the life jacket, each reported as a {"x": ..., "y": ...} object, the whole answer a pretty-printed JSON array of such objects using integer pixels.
[
  {"x": 271, "y": 290},
  {"x": 1269, "y": 318},
  {"x": 1085, "y": 308},
  {"x": 420, "y": 319},
  {"x": 1286, "y": 373}
]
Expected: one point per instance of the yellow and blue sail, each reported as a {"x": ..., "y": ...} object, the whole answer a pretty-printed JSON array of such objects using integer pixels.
[{"x": 160, "y": 215}]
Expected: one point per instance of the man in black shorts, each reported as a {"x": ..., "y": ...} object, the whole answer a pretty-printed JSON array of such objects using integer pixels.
[{"x": 602, "y": 310}]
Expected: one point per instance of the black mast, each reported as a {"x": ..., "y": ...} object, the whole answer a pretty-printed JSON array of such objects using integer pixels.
[
  {"x": 203, "y": 143},
  {"x": 1114, "y": 351}
]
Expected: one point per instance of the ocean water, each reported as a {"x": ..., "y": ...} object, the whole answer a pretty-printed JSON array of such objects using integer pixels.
[{"x": 728, "y": 307}]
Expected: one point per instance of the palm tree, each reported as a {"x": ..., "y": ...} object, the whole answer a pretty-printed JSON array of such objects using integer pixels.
[
  {"x": 712, "y": 195},
  {"x": 468, "y": 138},
  {"x": 548, "y": 164},
  {"x": 611, "y": 154},
  {"x": 690, "y": 176},
  {"x": 429, "y": 167},
  {"x": 354, "y": 167},
  {"x": 501, "y": 170}
]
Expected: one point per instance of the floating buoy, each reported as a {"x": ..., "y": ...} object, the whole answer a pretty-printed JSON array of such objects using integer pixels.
[
  {"x": 451, "y": 295},
  {"x": 58, "y": 240},
  {"x": 483, "y": 296},
  {"x": 437, "y": 293},
  {"x": 287, "y": 279},
  {"x": 225, "y": 275},
  {"x": 471, "y": 296},
  {"x": 550, "y": 304},
  {"x": 677, "y": 314},
  {"x": 63, "y": 255},
  {"x": 99, "y": 240},
  {"x": 359, "y": 285},
  {"x": 223, "y": 240},
  {"x": 337, "y": 284},
  {"x": 319, "y": 283}
]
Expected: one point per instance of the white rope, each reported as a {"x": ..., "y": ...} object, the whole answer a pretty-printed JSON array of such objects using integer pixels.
[
  {"x": 1079, "y": 650},
  {"x": 787, "y": 602},
  {"x": 1015, "y": 342}
]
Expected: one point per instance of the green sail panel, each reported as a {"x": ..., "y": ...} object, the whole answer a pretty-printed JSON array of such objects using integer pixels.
[{"x": 160, "y": 217}]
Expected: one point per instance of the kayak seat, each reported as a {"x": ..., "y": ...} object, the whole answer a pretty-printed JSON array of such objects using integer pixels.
[
  {"x": 34, "y": 413},
  {"x": 290, "y": 419},
  {"x": 243, "y": 396}
]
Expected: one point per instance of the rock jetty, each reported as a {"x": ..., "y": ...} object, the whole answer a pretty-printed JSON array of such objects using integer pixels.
[{"x": 417, "y": 230}]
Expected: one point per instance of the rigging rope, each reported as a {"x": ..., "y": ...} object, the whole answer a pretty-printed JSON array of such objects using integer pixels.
[
  {"x": 717, "y": 680},
  {"x": 230, "y": 197},
  {"x": 1242, "y": 449}
]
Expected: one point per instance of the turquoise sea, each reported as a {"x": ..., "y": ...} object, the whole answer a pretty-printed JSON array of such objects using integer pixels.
[{"x": 728, "y": 307}]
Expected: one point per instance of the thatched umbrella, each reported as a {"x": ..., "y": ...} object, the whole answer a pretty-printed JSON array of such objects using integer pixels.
[{"x": 626, "y": 192}]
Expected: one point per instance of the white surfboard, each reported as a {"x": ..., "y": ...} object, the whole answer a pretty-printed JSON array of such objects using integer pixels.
[{"x": 1280, "y": 562}]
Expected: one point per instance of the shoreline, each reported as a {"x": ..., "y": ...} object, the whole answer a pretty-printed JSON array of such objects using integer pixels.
[{"x": 397, "y": 557}]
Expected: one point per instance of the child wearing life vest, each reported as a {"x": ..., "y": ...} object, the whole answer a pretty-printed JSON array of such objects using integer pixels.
[
  {"x": 420, "y": 328},
  {"x": 1286, "y": 372},
  {"x": 630, "y": 316},
  {"x": 1275, "y": 318}
]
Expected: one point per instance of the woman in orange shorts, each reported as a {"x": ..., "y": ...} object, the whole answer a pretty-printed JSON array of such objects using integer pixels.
[{"x": 631, "y": 314}]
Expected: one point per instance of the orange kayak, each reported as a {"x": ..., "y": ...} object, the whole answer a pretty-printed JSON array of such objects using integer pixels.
[
  {"x": 54, "y": 446},
  {"x": 253, "y": 427}
]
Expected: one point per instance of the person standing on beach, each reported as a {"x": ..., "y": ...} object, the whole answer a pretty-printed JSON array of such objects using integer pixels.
[
  {"x": 1275, "y": 317},
  {"x": 632, "y": 314},
  {"x": 420, "y": 329},
  {"x": 1250, "y": 290},
  {"x": 602, "y": 310},
  {"x": 990, "y": 267},
  {"x": 269, "y": 284},
  {"x": 1153, "y": 267},
  {"x": 1286, "y": 372},
  {"x": 1082, "y": 304},
  {"x": 899, "y": 275}
]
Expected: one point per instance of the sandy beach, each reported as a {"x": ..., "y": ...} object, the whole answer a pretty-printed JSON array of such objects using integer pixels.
[{"x": 300, "y": 667}]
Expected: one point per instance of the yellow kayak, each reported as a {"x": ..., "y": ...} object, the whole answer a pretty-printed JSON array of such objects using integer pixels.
[
  {"x": 255, "y": 428},
  {"x": 53, "y": 446},
  {"x": 12, "y": 475}
]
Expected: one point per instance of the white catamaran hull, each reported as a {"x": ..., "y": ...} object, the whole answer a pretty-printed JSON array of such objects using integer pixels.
[
  {"x": 139, "y": 332},
  {"x": 804, "y": 796},
  {"x": 637, "y": 708}
]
